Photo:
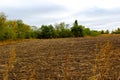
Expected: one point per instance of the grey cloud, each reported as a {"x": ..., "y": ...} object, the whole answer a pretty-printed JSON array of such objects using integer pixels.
[
  {"x": 39, "y": 20},
  {"x": 99, "y": 12},
  {"x": 99, "y": 18},
  {"x": 105, "y": 23},
  {"x": 101, "y": 21},
  {"x": 22, "y": 12},
  {"x": 108, "y": 26}
]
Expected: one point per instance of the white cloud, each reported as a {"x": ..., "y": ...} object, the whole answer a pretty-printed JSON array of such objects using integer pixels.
[{"x": 87, "y": 12}]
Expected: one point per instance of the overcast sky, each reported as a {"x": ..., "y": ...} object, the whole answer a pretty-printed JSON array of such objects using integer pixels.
[{"x": 95, "y": 14}]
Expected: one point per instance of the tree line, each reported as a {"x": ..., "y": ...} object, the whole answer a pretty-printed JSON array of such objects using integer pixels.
[{"x": 16, "y": 29}]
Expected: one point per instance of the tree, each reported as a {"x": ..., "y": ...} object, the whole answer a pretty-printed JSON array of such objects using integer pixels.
[
  {"x": 87, "y": 31},
  {"x": 117, "y": 31},
  {"x": 23, "y": 30},
  {"x": 102, "y": 32},
  {"x": 76, "y": 23},
  {"x": 51, "y": 31},
  {"x": 77, "y": 30},
  {"x": 107, "y": 32},
  {"x": 16, "y": 29},
  {"x": 2, "y": 26},
  {"x": 46, "y": 31},
  {"x": 12, "y": 25},
  {"x": 62, "y": 30},
  {"x": 94, "y": 33},
  {"x": 34, "y": 32},
  {"x": 2, "y": 19}
]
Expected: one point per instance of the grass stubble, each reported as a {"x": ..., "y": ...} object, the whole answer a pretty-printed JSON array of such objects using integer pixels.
[
  {"x": 104, "y": 62},
  {"x": 101, "y": 69},
  {"x": 10, "y": 65}
]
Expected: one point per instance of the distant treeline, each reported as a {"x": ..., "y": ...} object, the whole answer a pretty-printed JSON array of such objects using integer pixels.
[{"x": 16, "y": 29}]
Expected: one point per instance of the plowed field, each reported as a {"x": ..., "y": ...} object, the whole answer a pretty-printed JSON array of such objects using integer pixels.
[{"x": 57, "y": 59}]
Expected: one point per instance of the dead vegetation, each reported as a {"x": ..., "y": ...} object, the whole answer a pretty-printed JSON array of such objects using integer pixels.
[{"x": 62, "y": 59}]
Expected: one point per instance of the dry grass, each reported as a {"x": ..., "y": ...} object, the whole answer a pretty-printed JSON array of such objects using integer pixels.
[
  {"x": 62, "y": 59},
  {"x": 7, "y": 42},
  {"x": 10, "y": 65},
  {"x": 32, "y": 73},
  {"x": 104, "y": 60}
]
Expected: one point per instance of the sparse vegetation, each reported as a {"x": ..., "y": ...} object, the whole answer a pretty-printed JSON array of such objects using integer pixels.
[{"x": 62, "y": 59}]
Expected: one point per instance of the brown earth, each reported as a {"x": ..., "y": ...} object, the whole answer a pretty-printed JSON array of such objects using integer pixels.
[{"x": 56, "y": 59}]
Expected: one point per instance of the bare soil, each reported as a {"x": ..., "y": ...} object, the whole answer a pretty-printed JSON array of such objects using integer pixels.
[{"x": 56, "y": 59}]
